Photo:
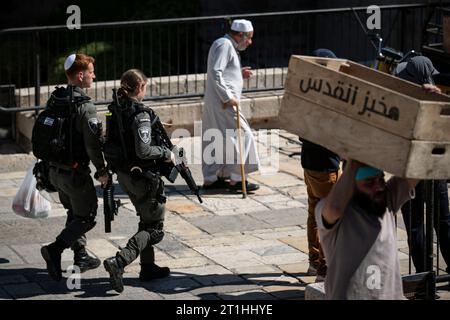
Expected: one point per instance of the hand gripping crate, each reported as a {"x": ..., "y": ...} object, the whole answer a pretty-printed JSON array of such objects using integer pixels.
[{"x": 369, "y": 116}]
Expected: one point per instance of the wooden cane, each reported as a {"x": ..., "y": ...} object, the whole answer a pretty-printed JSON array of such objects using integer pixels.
[{"x": 238, "y": 120}]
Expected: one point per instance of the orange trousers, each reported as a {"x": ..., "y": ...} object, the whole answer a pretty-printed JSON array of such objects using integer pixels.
[{"x": 318, "y": 185}]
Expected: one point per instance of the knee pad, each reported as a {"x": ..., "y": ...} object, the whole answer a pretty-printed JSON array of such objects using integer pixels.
[
  {"x": 158, "y": 225},
  {"x": 156, "y": 236},
  {"x": 155, "y": 229},
  {"x": 88, "y": 222}
]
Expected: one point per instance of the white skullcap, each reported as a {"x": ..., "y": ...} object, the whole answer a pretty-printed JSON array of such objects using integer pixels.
[
  {"x": 69, "y": 61},
  {"x": 242, "y": 25}
]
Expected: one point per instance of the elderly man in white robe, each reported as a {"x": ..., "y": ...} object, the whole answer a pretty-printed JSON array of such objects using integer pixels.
[{"x": 221, "y": 151}]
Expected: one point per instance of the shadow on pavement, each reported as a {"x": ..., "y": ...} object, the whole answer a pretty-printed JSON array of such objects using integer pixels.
[{"x": 35, "y": 282}]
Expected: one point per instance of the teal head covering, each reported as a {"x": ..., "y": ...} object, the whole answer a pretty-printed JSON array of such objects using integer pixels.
[{"x": 366, "y": 172}]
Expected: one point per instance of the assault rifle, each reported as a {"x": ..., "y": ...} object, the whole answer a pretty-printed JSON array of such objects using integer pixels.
[
  {"x": 110, "y": 206},
  {"x": 170, "y": 170}
]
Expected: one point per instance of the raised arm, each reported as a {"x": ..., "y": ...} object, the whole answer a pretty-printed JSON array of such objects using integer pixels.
[{"x": 340, "y": 195}]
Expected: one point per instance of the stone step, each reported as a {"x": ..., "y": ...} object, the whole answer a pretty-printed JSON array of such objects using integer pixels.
[{"x": 315, "y": 291}]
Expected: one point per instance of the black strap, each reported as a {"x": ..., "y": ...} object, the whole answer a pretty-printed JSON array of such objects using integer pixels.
[
  {"x": 118, "y": 115},
  {"x": 153, "y": 117}
]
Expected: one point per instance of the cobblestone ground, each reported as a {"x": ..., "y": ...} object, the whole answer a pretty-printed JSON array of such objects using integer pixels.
[{"x": 227, "y": 248}]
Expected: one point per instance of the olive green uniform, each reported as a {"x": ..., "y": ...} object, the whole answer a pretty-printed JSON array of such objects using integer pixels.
[
  {"x": 146, "y": 192},
  {"x": 74, "y": 182}
]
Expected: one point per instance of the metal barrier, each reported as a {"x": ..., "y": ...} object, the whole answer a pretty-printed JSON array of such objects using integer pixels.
[{"x": 32, "y": 58}]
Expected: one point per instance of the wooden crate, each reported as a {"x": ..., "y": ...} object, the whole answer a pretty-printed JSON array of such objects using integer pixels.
[
  {"x": 370, "y": 96},
  {"x": 410, "y": 138}
]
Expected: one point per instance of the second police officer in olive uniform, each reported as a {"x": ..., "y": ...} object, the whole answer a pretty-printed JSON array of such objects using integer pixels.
[
  {"x": 138, "y": 176},
  {"x": 71, "y": 177}
]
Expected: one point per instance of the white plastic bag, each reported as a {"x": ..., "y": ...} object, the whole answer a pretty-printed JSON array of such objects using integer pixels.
[{"x": 28, "y": 202}]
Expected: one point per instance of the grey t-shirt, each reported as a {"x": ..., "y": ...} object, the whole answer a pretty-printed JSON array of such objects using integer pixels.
[{"x": 361, "y": 250}]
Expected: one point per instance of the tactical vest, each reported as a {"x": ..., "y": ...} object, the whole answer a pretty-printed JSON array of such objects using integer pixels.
[
  {"x": 55, "y": 138},
  {"x": 116, "y": 157}
]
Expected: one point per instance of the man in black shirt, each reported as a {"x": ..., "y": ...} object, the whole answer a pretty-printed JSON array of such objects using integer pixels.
[
  {"x": 321, "y": 171},
  {"x": 420, "y": 70}
]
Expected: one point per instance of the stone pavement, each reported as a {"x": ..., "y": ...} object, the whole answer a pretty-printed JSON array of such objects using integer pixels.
[{"x": 227, "y": 248}]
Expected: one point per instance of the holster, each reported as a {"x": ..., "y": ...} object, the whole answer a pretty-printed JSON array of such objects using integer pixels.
[{"x": 156, "y": 186}]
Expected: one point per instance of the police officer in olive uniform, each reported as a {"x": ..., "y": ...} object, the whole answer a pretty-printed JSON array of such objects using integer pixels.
[
  {"x": 139, "y": 178},
  {"x": 72, "y": 178}
]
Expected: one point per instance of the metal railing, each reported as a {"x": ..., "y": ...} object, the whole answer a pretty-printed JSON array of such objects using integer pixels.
[{"x": 175, "y": 50}]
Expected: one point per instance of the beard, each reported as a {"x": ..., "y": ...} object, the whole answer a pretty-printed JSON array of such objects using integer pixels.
[
  {"x": 374, "y": 206},
  {"x": 241, "y": 46}
]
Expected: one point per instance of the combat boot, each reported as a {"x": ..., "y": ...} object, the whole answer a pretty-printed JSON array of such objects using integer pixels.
[
  {"x": 115, "y": 269},
  {"x": 152, "y": 271},
  {"x": 84, "y": 261},
  {"x": 52, "y": 256}
]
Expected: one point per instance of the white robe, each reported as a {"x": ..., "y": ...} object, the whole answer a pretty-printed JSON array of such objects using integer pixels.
[{"x": 224, "y": 81}]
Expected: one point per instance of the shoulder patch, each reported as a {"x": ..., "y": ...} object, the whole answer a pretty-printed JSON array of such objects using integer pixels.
[
  {"x": 93, "y": 125},
  {"x": 144, "y": 134}
]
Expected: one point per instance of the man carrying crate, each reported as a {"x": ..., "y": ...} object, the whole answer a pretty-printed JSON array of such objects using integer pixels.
[{"x": 358, "y": 234}]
